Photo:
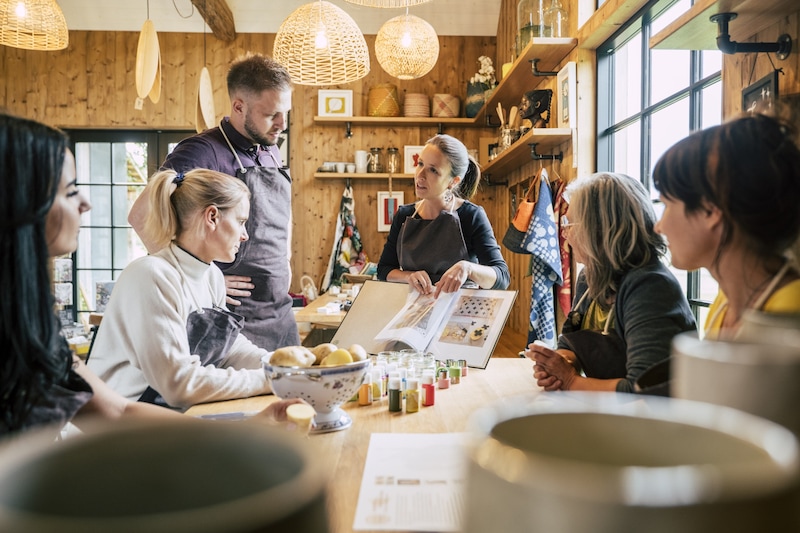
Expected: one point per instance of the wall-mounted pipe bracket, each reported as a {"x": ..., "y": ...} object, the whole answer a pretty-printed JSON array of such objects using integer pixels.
[
  {"x": 539, "y": 157},
  {"x": 535, "y": 69},
  {"x": 782, "y": 47}
]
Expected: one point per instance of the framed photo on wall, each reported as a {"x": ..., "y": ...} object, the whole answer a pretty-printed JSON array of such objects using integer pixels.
[
  {"x": 335, "y": 103},
  {"x": 388, "y": 203},
  {"x": 567, "y": 91},
  {"x": 761, "y": 94},
  {"x": 410, "y": 157}
]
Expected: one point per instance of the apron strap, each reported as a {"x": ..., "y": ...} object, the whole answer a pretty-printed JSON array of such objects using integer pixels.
[{"x": 238, "y": 159}]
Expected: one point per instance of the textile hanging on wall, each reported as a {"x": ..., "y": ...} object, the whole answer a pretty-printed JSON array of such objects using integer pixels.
[
  {"x": 545, "y": 268},
  {"x": 347, "y": 255},
  {"x": 564, "y": 290}
]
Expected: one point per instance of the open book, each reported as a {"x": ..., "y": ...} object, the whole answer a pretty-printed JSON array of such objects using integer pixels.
[{"x": 465, "y": 324}]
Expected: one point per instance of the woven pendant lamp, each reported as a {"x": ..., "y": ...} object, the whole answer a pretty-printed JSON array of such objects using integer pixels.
[
  {"x": 319, "y": 44},
  {"x": 33, "y": 25},
  {"x": 387, "y": 3},
  {"x": 407, "y": 47}
]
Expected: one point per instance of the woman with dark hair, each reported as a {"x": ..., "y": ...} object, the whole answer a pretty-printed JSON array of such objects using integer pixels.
[
  {"x": 731, "y": 198},
  {"x": 443, "y": 240},
  {"x": 41, "y": 382},
  {"x": 628, "y": 305}
]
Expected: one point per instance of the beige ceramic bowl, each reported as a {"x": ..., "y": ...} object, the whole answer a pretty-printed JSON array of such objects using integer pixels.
[
  {"x": 187, "y": 476},
  {"x": 608, "y": 462},
  {"x": 326, "y": 388}
]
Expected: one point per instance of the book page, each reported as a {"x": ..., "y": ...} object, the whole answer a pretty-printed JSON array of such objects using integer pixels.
[{"x": 418, "y": 321}]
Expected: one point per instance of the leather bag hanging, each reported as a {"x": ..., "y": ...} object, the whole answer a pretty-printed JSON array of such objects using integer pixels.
[{"x": 517, "y": 236}]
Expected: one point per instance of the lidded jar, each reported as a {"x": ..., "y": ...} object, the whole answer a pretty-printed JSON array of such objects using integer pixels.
[
  {"x": 555, "y": 20},
  {"x": 392, "y": 160},
  {"x": 375, "y": 160},
  {"x": 530, "y": 22}
]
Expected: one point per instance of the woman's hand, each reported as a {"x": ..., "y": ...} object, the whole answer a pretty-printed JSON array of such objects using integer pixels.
[
  {"x": 420, "y": 281},
  {"x": 454, "y": 277},
  {"x": 277, "y": 410},
  {"x": 553, "y": 369}
]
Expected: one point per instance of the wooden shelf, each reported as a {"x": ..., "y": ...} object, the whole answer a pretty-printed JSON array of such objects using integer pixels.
[
  {"x": 396, "y": 121},
  {"x": 694, "y": 31},
  {"x": 353, "y": 175},
  {"x": 520, "y": 79},
  {"x": 606, "y": 21},
  {"x": 519, "y": 153}
]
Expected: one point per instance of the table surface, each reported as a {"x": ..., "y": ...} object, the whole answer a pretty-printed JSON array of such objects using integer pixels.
[
  {"x": 346, "y": 451},
  {"x": 309, "y": 312}
]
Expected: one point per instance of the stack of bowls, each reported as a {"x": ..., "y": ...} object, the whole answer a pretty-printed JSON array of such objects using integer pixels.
[{"x": 417, "y": 105}]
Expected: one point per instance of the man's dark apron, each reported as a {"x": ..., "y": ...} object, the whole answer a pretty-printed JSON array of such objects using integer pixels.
[
  {"x": 269, "y": 320},
  {"x": 431, "y": 245}
]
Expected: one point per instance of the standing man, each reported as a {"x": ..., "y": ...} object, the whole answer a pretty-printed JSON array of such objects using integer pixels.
[{"x": 244, "y": 145}]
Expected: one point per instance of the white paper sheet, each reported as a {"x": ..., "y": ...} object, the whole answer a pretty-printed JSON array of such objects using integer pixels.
[{"x": 413, "y": 482}]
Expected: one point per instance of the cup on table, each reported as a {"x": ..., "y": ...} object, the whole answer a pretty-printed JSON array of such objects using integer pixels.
[
  {"x": 340, "y": 167},
  {"x": 361, "y": 159},
  {"x": 350, "y": 168}
]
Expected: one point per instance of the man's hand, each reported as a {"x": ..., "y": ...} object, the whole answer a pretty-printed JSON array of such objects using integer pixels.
[{"x": 237, "y": 286}]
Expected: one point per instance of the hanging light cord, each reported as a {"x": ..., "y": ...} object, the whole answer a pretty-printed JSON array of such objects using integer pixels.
[{"x": 179, "y": 11}]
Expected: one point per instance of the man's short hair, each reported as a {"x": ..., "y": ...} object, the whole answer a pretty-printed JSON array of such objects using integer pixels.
[{"x": 256, "y": 73}]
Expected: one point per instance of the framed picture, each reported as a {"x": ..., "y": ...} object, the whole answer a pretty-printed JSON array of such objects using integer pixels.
[
  {"x": 410, "y": 158},
  {"x": 761, "y": 94},
  {"x": 567, "y": 92},
  {"x": 338, "y": 103},
  {"x": 388, "y": 203}
]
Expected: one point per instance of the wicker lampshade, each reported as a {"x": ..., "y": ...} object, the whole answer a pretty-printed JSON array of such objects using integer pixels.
[
  {"x": 407, "y": 47},
  {"x": 33, "y": 25},
  {"x": 319, "y": 44},
  {"x": 387, "y": 3}
]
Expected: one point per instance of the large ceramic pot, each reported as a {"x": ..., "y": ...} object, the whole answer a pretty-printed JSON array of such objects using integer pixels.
[
  {"x": 184, "y": 476},
  {"x": 476, "y": 96},
  {"x": 612, "y": 462}
]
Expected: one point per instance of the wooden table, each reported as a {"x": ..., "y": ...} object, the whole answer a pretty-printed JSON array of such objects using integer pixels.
[
  {"x": 310, "y": 313},
  {"x": 346, "y": 450}
]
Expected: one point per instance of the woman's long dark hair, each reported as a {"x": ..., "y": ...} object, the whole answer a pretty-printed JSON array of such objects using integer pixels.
[{"x": 34, "y": 355}]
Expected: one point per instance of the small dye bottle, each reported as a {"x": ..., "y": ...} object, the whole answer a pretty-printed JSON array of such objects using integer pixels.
[
  {"x": 455, "y": 373},
  {"x": 377, "y": 385},
  {"x": 463, "y": 364},
  {"x": 395, "y": 396},
  {"x": 444, "y": 381},
  {"x": 365, "y": 391},
  {"x": 412, "y": 395},
  {"x": 428, "y": 389}
]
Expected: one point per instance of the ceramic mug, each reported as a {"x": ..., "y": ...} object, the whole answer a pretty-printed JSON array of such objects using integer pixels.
[
  {"x": 361, "y": 159},
  {"x": 163, "y": 476},
  {"x": 340, "y": 167},
  {"x": 757, "y": 377},
  {"x": 609, "y": 462}
]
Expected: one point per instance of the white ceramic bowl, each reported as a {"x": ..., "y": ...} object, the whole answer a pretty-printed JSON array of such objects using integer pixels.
[
  {"x": 609, "y": 462},
  {"x": 326, "y": 388},
  {"x": 176, "y": 476}
]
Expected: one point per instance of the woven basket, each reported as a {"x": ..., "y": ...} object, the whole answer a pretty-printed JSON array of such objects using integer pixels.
[
  {"x": 383, "y": 101},
  {"x": 417, "y": 105},
  {"x": 445, "y": 106}
]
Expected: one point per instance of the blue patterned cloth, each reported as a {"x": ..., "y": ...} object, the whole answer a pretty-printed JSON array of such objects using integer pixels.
[{"x": 542, "y": 239}]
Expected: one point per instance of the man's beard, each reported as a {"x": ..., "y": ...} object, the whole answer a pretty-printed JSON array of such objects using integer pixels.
[{"x": 255, "y": 135}]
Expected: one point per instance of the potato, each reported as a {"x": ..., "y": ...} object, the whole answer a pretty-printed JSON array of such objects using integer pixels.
[
  {"x": 358, "y": 352},
  {"x": 321, "y": 351},
  {"x": 292, "y": 356}
]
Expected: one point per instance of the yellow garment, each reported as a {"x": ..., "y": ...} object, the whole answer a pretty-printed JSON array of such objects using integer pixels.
[
  {"x": 595, "y": 319},
  {"x": 784, "y": 300}
]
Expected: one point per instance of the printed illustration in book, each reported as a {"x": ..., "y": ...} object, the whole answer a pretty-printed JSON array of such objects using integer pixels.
[{"x": 462, "y": 325}]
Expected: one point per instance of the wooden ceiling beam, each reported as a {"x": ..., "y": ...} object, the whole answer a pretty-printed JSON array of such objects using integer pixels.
[{"x": 219, "y": 18}]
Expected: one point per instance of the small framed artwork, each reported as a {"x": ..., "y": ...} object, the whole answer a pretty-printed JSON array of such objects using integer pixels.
[
  {"x": 760, "y": 95},
  {"x": 388, "y": 203},
  {"x": 567, "y": 92},
  {"x": 337, "y": 103},
  {"x": 410, "y": 158}
]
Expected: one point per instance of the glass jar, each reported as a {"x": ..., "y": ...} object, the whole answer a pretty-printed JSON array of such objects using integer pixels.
[
  {"x": 392, "y": 160},
  {"x": 375, "y": 160},
  {"x": 530, "y": 22},
  {"x": 555, "y": 19}
]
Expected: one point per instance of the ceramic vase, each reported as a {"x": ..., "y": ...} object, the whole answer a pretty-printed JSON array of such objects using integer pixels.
[{"x": 476, "y": 96}]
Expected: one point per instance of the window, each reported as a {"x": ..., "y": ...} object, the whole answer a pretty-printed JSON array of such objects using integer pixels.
[
  {"x": 112, "y": 170},
  {"x": 650, "y": 99}
]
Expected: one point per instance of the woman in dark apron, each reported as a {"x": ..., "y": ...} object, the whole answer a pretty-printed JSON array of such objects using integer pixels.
[{"x": 443, "y": 241}]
